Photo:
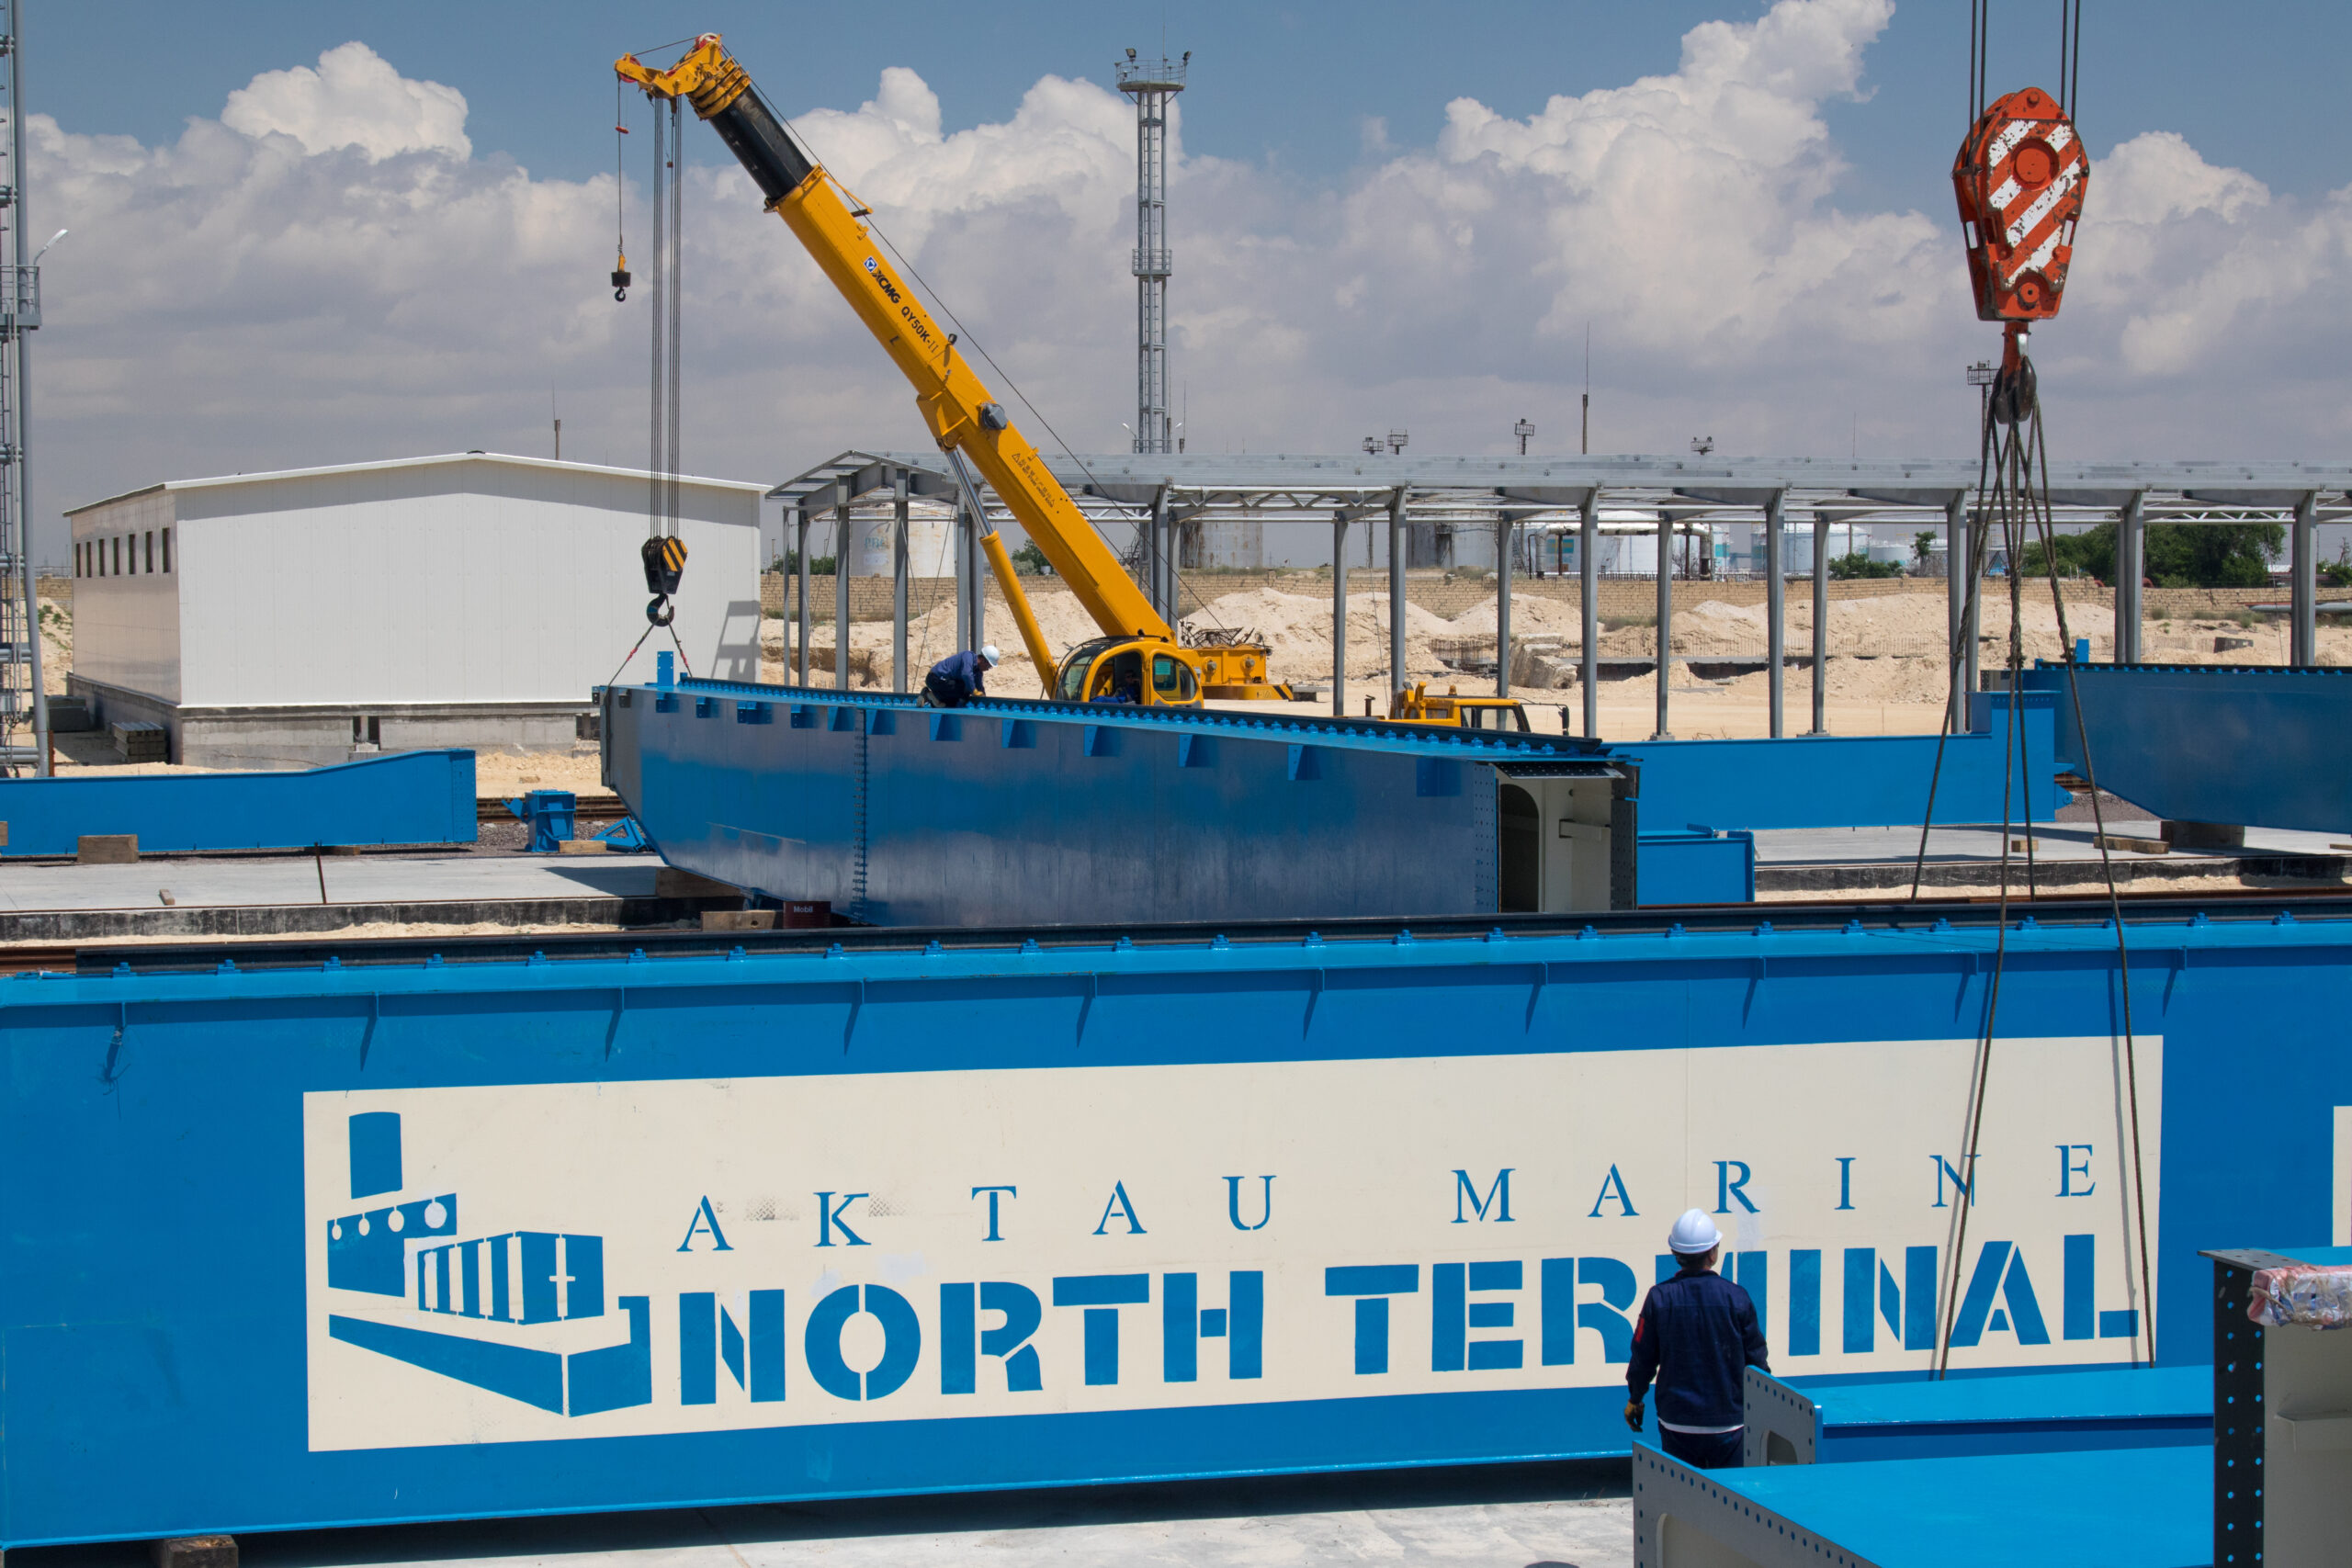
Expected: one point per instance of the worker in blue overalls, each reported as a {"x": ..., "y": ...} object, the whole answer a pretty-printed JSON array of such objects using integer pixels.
[
  {"x": 1697, "y": 1336},
  {"x": 958, "y": 678}
]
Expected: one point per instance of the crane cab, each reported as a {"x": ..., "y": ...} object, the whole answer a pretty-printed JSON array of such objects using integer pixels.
[
  {"x": 1416, "y": 706},
  {"x": 1128, "y": 670}
]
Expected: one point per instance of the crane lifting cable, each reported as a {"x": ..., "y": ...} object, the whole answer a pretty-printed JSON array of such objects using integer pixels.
[
  {"x": 2020, "y": 177},
  {"x": 664, "y": 552}
]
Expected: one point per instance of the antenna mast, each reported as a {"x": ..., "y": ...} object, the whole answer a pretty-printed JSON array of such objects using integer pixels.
[{"x": 1153, "y": 83}]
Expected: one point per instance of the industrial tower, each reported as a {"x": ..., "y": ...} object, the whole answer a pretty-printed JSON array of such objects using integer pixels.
[
  {"x": 1153, "y": 83},
  {"x": 24, "y": 712}
]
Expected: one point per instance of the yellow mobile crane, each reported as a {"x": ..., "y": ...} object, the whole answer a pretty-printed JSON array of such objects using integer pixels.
[{"x": 1138, "y": 653}]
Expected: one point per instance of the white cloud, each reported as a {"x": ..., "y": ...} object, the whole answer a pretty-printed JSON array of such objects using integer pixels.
[
  {"x": 354, "y": 99},
  {"x": 327, "y": 273}
]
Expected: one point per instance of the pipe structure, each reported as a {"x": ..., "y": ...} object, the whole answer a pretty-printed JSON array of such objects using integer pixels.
[
  {"x": 800, "y": 590},
  {"x": 841, "y": 597},
  {"x": 1155, "y": 527},
  {"x": 2303, "y": 638},
  {"x": 1339, "y": 615},
  {"x": 1665, "y": 620},
  {"x": 962, "y": 551},
  {"x": 1503, "y": 563},
  {"x": 2130, "y": 572},
  {"x": 1973, "y": 633},
  {"x": 1396, "y": 599},
  {"x": 1588, "y": 596},
  {"x": 1776, "y": 607},
  {"x": 898, "y": 582},
  {"x": 1955, "y": 607},
  {"x": 1820, "y": 623}
]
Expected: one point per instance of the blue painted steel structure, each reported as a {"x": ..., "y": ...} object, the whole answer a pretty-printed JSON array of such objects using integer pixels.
[
  {"x": 154, "y": 1311},
  {"x": 1841, "y": 1421},
  {"x": 1035, "y": 813},
  {"x": 410, "y": 797},
  {"x": 1698, "y": 867},
  {"x": 1852, "y": 781},
  {"x": 551, "y": 814},
  {"x": 1021, "y": 812},
  {"x": 2256, "y": 746},
  {"x": 2126, "y": 1508}
]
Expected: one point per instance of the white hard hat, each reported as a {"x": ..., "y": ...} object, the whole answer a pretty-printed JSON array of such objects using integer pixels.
[
  {"x": 992, "y": 654},
  {"x": 1694, "y": 1233}
]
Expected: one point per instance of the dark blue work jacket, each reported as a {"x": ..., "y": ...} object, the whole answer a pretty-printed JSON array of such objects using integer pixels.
[
  {"x": 962, "y": 673},
  {"x": 1696, "y": 1335}
]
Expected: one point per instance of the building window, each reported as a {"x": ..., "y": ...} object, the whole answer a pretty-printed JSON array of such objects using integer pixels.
[
  {"x": 77, "y": 559},
  {"x": 150, "y": 549},
  {"x": 117, "y": 555},
  {"x": 168, "y": 552}
]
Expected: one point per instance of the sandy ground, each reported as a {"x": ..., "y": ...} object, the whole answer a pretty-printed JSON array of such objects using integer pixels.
[{"x": 1885, "y": 674}]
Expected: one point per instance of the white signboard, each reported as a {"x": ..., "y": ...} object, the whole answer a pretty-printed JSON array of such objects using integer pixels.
[{"x": 509, "y": 1263}]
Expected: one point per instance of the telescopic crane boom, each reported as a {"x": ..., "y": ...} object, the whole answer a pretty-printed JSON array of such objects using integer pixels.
[{"x": 1139, "y": 652}]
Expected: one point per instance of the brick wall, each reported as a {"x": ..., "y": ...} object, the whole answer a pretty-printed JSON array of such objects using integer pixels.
[{"x": 1622, "y": 598}]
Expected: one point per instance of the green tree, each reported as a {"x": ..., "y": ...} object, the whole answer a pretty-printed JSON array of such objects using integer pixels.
[
  {"x": 1923, "y": 546},
  {"x": 1031, "y": 560},
  {"x": 2179, "y": 555},
  {"x": 1858, "y": 564}
]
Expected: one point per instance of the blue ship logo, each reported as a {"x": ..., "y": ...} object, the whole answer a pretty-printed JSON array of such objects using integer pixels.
[{"x": 518, "y": 1278}]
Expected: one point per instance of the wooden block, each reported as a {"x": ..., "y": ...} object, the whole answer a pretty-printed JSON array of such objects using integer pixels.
[
  {"x": 2135, "y": 846},
  {"x": 670, "y": 881},
  {"x": 739, "y": 920},
  {"x": 107, "y": 849},
  {"x": 581, "y": 847},
  {"x": 194, "y": 1551},
  {"x": 4, "y": 835}
]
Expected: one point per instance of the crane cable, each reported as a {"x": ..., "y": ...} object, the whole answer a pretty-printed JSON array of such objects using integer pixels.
[
  {"x": 2013, "y": 487},
  {"x": 664, "y": 553}
]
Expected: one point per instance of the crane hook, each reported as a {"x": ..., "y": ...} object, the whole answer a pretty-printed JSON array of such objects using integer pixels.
[{"x": 620, "y": 279}]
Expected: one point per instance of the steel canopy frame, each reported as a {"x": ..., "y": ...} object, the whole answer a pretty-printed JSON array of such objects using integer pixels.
[{"x": 1567, "y": 493}]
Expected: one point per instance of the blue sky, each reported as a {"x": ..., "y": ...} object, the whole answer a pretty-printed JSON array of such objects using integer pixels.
[{"x": 2252, "y": 85}]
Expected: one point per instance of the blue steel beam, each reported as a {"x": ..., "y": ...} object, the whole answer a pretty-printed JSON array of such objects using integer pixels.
[
  {"x": 1036, "y": 813},
  {"x": 1853, "y": 781},
  {"x": 163, "y": 1312},
  {"x": 2254, "y": 746},
  {"x": 1039, "y": 813},
  {"x": 411, "y": 797}
]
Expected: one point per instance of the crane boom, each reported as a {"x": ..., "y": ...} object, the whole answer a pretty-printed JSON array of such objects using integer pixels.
[{"x": 964, "y": 416}]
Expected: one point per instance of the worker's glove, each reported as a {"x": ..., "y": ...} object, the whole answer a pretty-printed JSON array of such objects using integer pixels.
[{"x": 1634, "y": 1414}]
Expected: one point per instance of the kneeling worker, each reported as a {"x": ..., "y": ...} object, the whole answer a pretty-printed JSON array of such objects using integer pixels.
[
  {"x": 958, "y": 678},
  {"x": 1696, "y": 1335}
]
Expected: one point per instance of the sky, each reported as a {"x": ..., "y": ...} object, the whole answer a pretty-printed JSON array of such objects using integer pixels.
[{"x": 306, "y": 235}]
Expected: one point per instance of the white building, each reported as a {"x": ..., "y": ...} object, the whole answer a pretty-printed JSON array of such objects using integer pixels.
[{"x": 286, "y": 619}]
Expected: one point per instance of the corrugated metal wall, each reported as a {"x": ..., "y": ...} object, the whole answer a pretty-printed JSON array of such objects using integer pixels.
[
  {"x": 461, "y": 582},
  {"x": 127, "y": 619}
]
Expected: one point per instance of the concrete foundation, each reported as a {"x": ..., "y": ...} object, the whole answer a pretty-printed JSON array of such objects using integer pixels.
[{"x": 313, "y": 737}]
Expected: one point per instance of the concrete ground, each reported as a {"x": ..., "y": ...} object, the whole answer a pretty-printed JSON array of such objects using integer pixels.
[
  {"x": 1564, "y": 1515},
  {"x": 230, "y": 880},
  {"x": 2051, "y": 841}
]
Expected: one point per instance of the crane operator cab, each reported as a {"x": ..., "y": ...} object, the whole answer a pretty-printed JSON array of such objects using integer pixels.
[
  {"x": 1415, "y": 705},
  {"x": 1123, "y": 670}
]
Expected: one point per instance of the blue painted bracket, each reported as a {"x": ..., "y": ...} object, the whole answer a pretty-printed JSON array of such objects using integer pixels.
[{"x": 410, "y": 797}]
